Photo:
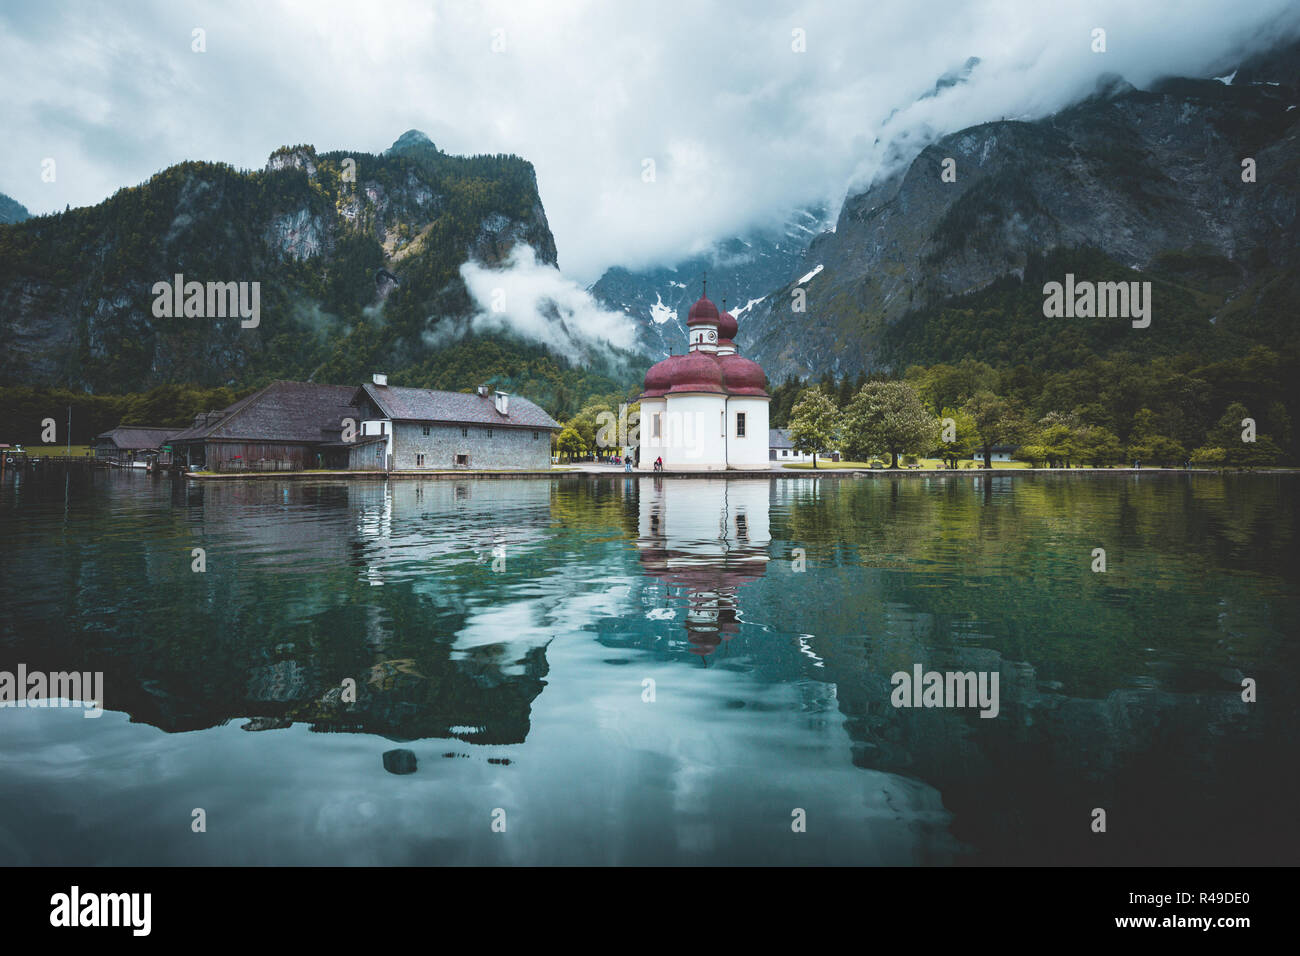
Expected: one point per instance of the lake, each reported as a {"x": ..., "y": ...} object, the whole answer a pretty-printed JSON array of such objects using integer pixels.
[{"x": 630, "y": 670}]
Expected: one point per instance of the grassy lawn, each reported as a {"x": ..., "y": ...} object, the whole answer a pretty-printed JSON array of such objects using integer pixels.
[
  {"x": 60, "y": 451},
  {"x": 927, "y": 464}
]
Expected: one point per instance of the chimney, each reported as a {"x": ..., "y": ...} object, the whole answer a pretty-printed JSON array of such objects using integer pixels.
[
  {"x": 502, "y": 401},
  {"x": 483, "y": 391},
  {"x": 379, "y": 379}
]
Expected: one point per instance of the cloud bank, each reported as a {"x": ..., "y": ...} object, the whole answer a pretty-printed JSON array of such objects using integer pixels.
[
  {"x": 535, "y": 301},
  {"x": 746, "y": 110}
]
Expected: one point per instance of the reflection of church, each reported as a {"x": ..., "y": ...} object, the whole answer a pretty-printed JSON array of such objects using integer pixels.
[{"x": 708, "y": 537}]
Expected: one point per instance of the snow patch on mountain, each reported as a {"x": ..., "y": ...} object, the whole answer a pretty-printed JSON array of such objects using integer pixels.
[{"x": 660, "y": 313}]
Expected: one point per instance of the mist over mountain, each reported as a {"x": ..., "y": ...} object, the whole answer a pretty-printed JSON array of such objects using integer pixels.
[
  {"x": 739, "y": 269},
  {"x": 1151, "y": 180},
  {"x": 358, "y": 258},
  {"x": 11, "y": 210}
]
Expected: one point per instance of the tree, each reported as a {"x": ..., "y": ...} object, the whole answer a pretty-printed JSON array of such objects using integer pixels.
[
  {"x": 964, "y": 438},
  {"x": 1098, "y": 446},
  {"x": 570, "y": 442},
  {"x": 951, "y": 385},
  {"x": 1209, "y": 457},
  {"x": 888, "y": 416},
  {"x": 1055, "y": 442},
  {"x": 1147, "y": 444},
  {"x": 1229, "y": 435},
  {"x": 845, "y": 393},
  {"x": 995, "y": 422},
  {"x": 1160, "y": 449},
  {"x": 815, "y": 424}
]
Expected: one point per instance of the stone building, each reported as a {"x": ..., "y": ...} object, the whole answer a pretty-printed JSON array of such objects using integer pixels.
[{"x": 425, "y": 429}]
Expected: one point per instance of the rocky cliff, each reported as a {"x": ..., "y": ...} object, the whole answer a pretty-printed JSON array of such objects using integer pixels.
[
  {"x": 357, "y": 257},
  {"x": 738, "y": 269},
  {"x": 1152, "y": 179}
]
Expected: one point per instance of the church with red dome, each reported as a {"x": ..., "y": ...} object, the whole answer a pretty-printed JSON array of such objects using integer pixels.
[{"x": 706, "y": 410}]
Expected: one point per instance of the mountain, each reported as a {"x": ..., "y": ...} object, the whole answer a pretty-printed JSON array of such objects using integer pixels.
[
  {"x": 1143, "y": 183},
  {"x": 739, "y": 269},
  {"x": 358, "y": 257},
  {"x": 11, "y": 210}
]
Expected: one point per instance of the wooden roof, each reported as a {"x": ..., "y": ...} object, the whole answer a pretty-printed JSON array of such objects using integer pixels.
[
  {"x": 281, "y": 412},
  {"x": 136, "y": 436}
]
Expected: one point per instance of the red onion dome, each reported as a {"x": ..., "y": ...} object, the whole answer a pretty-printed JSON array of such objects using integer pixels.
[
  {"x": 728, "y": 327},
  {"x": 660, "y": 377},
  {"x": 743, "y": 376},
  {"x": 697, "y": 372},
  {"x": 702, "y": 312}
]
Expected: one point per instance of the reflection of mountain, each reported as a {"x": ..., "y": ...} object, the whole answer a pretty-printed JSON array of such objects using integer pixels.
[
  {"x": 1119, "y": 691},
  {"x": 1021, "y": 786},
  {"x": 710, "y": 538},
  {"x": 287, "y": 609}
]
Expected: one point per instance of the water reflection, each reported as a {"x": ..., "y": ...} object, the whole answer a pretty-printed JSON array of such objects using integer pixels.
[
  {"x": 707, "y": 538},
  {"x": 503, "y": 632}
]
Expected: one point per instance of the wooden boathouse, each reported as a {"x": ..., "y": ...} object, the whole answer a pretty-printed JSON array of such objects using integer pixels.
[{"x": 286, "y": 426}]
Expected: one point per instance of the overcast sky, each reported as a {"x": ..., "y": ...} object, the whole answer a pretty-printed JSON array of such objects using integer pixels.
[{"x": 740, "y": 126}]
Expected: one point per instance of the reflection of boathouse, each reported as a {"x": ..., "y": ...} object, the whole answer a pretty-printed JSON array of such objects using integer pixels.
[{"x": 708, "y": 537}]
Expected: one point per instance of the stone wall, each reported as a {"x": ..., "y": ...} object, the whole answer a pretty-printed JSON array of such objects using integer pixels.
[{"x": 487, "y": 448}]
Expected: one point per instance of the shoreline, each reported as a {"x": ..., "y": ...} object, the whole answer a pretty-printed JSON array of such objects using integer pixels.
[{"x": 784, "y": 473}]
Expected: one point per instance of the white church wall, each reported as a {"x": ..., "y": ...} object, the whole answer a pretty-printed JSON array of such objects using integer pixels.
[
  {"x": 693, "y": 426},
  {"x": 651, "y": 431},
  {"x": 751, "y": 450}
]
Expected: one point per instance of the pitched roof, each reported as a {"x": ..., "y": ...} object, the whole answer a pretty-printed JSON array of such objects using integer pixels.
[
  {"x": 779, "y": 438},
  {"x": 137, "y": 436},
  {"x": 471, "y": 408},
  {"x": 280, "y": 412}
]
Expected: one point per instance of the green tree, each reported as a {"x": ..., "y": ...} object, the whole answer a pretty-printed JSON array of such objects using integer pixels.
[
  {"x": 1098, "y": 447},
  {"x": 570, "y": 443},
  {"x": 996, "y": 422},
  {"x": 815, "y": 424},
  {"x": 1209, "y": 457},
  {"x": 964, "y": 436},
  {"x": 1231, "y": 435},
  {"x": 888, "y": 416}
]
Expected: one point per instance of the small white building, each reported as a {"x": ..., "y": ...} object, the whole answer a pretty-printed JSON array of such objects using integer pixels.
[
  {"x": 706, "y": 410},
  {"x": 781, "y": 450}
]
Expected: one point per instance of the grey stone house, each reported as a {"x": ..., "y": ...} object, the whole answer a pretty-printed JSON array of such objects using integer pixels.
[{"x": 426, "y": 429}]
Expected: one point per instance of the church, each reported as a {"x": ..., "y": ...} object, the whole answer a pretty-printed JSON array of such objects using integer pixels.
[{"x": 706, "y": 410}]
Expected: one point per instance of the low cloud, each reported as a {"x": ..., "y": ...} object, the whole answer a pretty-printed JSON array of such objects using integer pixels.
[
  {"x": 746, "y": 111},
  {"x": 533, "y": 300}
]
